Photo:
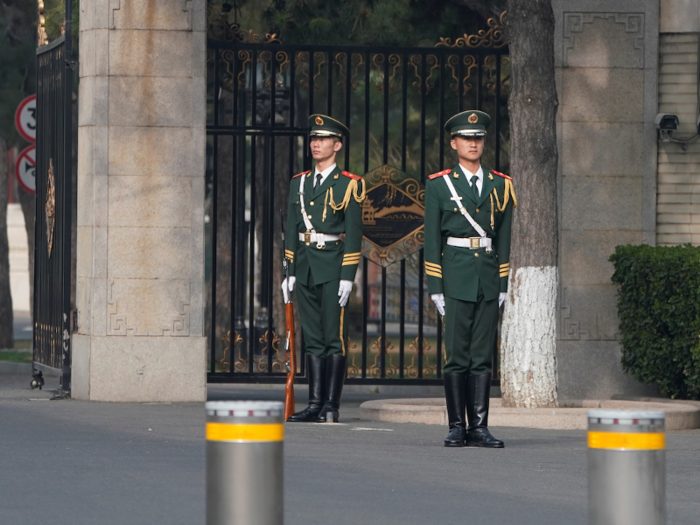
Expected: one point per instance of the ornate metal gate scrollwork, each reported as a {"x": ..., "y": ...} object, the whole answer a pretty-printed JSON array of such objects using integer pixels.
[{"x": 395, "y": 100}]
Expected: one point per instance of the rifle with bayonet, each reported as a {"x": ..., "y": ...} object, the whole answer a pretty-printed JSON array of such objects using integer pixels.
[{"x": 290, "y": 342}]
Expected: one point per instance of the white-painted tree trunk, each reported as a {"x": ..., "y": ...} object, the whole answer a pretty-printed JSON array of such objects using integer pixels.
[{"x": 528, "y": 340}]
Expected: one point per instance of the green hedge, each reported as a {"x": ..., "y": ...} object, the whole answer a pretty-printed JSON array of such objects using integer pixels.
[{"x": 659, "y": 310}]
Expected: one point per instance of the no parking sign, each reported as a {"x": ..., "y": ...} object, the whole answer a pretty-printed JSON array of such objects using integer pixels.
[{"x": 25, "y": 169}]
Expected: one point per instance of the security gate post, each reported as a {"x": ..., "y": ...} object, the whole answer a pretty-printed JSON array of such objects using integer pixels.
[
  {"x": 244, "y": 463},
  {"x": 626, "y": 468}
]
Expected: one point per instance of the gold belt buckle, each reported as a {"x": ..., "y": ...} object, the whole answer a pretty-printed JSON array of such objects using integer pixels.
[
  {"x": 307, "y": 238},
  {"x": 474, "y": 242}
]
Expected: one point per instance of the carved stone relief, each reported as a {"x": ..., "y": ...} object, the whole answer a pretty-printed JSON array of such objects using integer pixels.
[
  {"x": 148, "y": 307},
  {"x": 604, "y": 47},
  {"x": 116, "y": 5}
]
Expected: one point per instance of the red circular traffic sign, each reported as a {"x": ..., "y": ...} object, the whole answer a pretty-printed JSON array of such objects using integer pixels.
[
  {"x": 25, "y": 118},
  {"x": 25, "y": 169}
]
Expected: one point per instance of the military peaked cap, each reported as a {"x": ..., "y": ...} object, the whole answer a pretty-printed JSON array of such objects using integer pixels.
[
  {"x": 325, "y": 126},
  {"x": 472, "y": 123}
]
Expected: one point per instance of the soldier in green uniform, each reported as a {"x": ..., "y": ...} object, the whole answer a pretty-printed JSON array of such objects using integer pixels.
[
  {"x": 324, "y": 204},
  {"x": 468, "y": 213}
]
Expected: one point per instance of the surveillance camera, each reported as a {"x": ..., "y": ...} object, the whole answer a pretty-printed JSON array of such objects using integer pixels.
[{"x": 666, "y": 122}]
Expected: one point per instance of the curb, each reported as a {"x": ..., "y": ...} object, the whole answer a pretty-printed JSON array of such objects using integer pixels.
[{"x": 432, "y": 411}]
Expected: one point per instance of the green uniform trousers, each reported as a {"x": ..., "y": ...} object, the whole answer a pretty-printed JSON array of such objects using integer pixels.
[
  {"x": 470, "y": 334},
  {"x": 323, "y": 321}
]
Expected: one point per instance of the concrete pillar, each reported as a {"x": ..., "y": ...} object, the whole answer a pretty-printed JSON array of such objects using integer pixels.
[
  {"x": 140, "y": 269},
  {"x": 606, "y": 58}
]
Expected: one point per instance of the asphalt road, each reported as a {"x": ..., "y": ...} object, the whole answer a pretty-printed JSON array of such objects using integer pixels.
[{"x": 74, "y": 463}]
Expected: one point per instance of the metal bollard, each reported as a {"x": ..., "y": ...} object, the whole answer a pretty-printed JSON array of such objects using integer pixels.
[
  {"x": 626, "y": 467},
  {"x": 244, "y": 463}
]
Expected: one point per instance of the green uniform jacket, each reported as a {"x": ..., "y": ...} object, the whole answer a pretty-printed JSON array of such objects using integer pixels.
[
  {"x": 337, "y": 260},
  {"x": 457, "y": 272}
]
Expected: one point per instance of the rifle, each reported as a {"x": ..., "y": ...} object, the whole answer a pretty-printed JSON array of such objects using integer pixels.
[{"x": 289, "y": 346}]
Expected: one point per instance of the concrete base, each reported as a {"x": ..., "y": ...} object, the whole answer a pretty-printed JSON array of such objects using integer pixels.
[
  {"x": 133, "y": 369},
  {"x": 572, "y": 416}
]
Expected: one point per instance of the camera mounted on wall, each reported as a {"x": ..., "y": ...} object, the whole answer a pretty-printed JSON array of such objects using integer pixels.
[{"x": 667, "y": 124}]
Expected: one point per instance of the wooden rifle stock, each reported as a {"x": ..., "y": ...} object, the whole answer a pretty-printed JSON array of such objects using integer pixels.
[{"x": 291, "y": 357}]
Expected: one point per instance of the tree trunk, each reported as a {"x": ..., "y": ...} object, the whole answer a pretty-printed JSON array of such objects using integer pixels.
[
  {"x": 528, "y": 346},
  {"x": 6, "y": 318}
]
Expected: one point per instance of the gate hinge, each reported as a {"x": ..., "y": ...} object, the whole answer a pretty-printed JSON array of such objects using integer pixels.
[
  {"x": 72, "y": 64},
  {"x": 74, "y": 325}
]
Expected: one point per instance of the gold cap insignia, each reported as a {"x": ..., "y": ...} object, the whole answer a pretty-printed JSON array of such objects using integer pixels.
[
  {"x": 319, "y": 121},
  {"x": 473, "y": 118}
]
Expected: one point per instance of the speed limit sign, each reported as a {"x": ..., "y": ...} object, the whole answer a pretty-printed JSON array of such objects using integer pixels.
[
  {"x": 25, "y": 118},
  {"x": 25, "y": 169}
]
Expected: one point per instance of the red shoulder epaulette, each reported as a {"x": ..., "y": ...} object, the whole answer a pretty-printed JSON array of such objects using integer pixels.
[
  {"x": 439, "y": 174},
  {"x": 351, "y": 175},
  {"x": 300, "y": 174},
  {"x": 501, "y": 175}
]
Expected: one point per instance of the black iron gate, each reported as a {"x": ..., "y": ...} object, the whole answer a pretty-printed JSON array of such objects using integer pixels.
[
  {"x": 52, "y": 246},
  {"x": 395, "y": 101}
]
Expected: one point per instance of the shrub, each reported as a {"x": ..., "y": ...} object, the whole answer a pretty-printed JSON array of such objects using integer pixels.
[{"x": 659, "y": 309}]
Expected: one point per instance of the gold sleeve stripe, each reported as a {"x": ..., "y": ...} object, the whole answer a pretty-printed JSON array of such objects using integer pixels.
[
  {"x": 433, "y": 274},
  {"x": 432, "y": 265},
  {"x": 504, "y": 274},
  {"x": 355, "y": 254},
  {"x": 356, "y": 259},
  {"x": 505, "y": 265},
  {"x": 350, "y": 263}
]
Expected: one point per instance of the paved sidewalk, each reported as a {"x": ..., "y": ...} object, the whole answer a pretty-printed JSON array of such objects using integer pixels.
[{"x": 75, "y": 463}]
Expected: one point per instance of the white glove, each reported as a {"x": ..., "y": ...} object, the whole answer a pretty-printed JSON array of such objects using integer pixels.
[
  {"x": 439, "y": 300},
  {"x": 288, "y": 287},
  {"x": 501, "y": 298},
  {"x": 344, "y": 292}
]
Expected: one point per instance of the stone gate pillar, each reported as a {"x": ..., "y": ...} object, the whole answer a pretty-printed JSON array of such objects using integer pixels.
[{"x": 140, "y": 269}]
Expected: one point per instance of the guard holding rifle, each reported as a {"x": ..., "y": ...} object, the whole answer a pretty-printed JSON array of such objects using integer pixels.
[
  {"x": 468, "y": 213},
  {"x": 324, "y": 204}
]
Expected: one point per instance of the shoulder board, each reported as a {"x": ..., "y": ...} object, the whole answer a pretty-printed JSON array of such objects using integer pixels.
[
  {"x": 439, "y": 174},
  {"x": 501, "y": 174},
  {"x": 352, "y": 176},
  {"x": 300, "y": 174}
]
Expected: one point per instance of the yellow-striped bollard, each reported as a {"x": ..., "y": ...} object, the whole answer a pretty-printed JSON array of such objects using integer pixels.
[
  {"x": 626, "y": 467},
  {"x": 245, "y": 463}
]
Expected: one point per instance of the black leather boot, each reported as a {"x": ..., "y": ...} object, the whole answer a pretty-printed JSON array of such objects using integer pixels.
[
  {"x": 335, "y": 379},
  {"x": 478, "y": 393},
  {"x": 316, "y": 367},
  {"x": 455, "y": 387}
]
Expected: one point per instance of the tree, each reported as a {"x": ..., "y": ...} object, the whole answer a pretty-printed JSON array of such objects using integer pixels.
[
  {"x": 528, "y": 363},
  {"x": 16, "y": 81}
]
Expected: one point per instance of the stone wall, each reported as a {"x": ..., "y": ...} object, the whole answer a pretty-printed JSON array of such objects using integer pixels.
[
  {"x": 140, "y": 261},
  {"x": 606, "y": 55}
]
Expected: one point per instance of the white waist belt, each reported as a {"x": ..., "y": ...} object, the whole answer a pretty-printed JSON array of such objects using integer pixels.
[
  {"x": 473, "y": 243},
  {"x": 318, "y": 238}
]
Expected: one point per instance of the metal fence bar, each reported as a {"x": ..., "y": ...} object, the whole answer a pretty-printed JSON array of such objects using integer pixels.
[{"x": 394, "y": 295}]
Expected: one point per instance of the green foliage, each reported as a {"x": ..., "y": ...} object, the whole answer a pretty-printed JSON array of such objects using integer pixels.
[
  {"x": 17, "y": 77},
  {"x": 659, "y": 310},
  {"x": 18, "y": 55},
  {"x": 364, "y": 22}
]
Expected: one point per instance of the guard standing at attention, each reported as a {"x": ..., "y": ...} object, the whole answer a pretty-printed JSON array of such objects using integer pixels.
[
  {"x": 323, "y": 205},
  {"x": 468, "y": 213}
]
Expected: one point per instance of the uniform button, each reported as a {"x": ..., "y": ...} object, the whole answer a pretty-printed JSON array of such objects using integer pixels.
[
  {"x": 312, "y": 203},
  {"x": 476, "y": 255},
  {"x": 477, "y": 210},
  {"x": 455, "y": 209},
  {"x": 308, "y": 217}
]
